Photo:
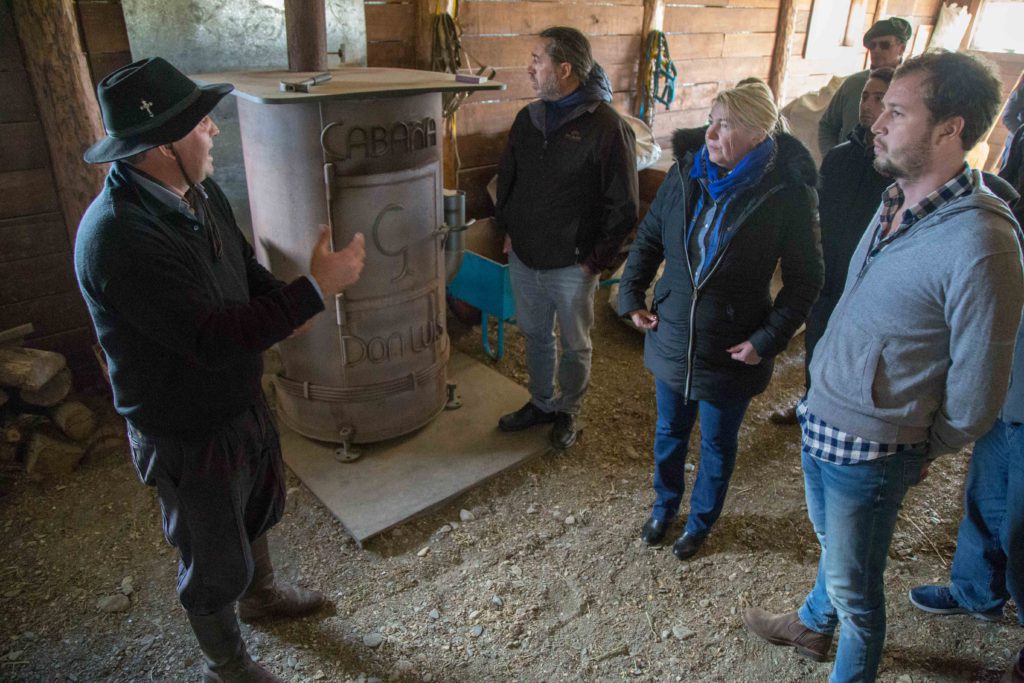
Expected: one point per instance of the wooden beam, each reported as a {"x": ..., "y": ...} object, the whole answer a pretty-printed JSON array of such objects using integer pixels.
[
  {"x": 59, "y": 73},
  {"x": 306, "y": 28},
  {"x": 784, "y": 32},
  {"x": 973, "y": 8},
  {"x": 654, "y": 20}
]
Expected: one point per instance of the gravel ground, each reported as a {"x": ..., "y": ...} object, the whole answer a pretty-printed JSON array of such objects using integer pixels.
[{"x": 537, "y": 576}]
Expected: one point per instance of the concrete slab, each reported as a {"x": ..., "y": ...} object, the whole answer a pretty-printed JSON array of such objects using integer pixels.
[{"x": 398, "y": 479}]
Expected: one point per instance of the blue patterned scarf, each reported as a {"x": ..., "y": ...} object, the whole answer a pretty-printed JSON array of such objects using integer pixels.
[{"x": 747, "y": 173}]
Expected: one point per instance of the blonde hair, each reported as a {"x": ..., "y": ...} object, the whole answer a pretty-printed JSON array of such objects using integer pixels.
[{"x": 751, "y": 104}]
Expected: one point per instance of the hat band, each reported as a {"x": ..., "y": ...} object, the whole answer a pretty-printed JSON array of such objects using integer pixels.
[{"x": 158, "y": 120}]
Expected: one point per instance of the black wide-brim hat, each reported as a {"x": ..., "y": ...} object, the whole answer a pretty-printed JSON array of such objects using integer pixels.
[{"x": 149, "y": 103}]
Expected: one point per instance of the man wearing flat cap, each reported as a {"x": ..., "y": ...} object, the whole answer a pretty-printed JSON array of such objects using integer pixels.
[
  {"x": 183, "y": 311},
  {"x": 886, "y": 41}
]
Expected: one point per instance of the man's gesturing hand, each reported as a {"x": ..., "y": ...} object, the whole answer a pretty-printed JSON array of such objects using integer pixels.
[
  {"x": 644, "y": 319},
  {"x": 336, "y": 270}
]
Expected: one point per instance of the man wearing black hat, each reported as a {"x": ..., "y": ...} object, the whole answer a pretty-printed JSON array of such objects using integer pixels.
[
  {"x": 183, "y": 312},
  {"x": 886, "y": 42}
]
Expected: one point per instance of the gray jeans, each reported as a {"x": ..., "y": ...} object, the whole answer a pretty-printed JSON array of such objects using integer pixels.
[{"x": 542, "y": 296}]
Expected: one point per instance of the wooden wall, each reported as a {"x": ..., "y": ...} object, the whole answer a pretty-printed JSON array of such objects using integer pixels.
[
  {"x": 37, "y": 282},
  {"x": 713, "y": 44},
  {"x": 37, "y": 228}
]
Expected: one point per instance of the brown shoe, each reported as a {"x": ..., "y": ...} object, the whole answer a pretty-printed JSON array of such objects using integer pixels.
[
  {"x": 787, "y": 629},
  {"x": 266, "y": 598},
  {"x": 783, "y": 416},
  {"x": 224, "y": 653}
]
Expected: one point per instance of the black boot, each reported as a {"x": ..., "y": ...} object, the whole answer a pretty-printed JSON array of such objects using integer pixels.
[
  {"x": 220, "y": 639},
  {"x": 524, "y": 418},
  {"x": 267, "y": 598}
]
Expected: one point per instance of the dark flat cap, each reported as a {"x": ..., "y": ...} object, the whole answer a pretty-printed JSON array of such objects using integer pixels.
[{"x": 893, "y": 26}]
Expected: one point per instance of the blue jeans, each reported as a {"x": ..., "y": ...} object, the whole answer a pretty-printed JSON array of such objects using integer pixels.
[
  {"x": 719, "y": 429},
  {"x": 988, "y": 566},
  {"x": 853, "y": 509},
  {"x": 542, "y": 296}
]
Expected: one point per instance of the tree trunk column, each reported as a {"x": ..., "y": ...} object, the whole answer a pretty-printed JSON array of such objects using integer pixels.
[
  {"x": 306, "y": 25},
  {"x": 784, "y": 31}
]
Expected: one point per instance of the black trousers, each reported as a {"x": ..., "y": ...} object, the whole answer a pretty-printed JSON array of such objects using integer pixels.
[{"x": 218, "y": 492}]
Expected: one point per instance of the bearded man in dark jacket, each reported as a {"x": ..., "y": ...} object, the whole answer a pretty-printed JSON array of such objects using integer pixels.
[{"x": 567, "y": 198}]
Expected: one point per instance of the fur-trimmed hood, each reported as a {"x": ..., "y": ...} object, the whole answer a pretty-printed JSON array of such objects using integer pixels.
[{"x": 793, "y": 163}]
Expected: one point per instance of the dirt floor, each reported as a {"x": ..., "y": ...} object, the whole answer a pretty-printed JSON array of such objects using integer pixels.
[{"x": 545, "y": 579}]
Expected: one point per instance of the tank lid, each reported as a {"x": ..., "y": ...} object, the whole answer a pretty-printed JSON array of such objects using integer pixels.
[{"x": 345, "y": 83}]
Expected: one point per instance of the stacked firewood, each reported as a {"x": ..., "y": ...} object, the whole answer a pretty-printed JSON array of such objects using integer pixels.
[{"x": 43, "y": 428}]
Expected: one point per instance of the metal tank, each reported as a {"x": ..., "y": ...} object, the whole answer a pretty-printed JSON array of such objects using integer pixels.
[{"x": 361, "y": 152}]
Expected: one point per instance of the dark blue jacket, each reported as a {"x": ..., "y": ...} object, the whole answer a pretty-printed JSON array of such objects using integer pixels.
[
  {"x": 776, "y": 219},
  {"x": 183, "y": 332}
]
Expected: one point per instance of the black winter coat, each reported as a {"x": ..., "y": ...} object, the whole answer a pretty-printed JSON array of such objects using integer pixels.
[
  {"x": 851, "y": 191},
  {"x": 568, "y": 196},
  {"x": 777, "y": 219}
]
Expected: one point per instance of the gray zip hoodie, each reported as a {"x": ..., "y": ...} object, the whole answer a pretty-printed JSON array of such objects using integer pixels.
[{"x": 920, "y": 345}]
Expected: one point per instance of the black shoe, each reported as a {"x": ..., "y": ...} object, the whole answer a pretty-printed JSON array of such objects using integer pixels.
[
  {"x": 687, "y": 545},
  {"x": 654, "y": 531},
  {"x": 563, "y": 434},
  {"x": 524, "y": 418}
]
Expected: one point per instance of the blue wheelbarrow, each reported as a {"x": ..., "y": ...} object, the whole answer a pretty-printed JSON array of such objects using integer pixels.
[{"x": 483, "y": 281}]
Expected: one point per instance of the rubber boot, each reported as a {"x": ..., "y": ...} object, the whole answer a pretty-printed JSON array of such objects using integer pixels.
[
  {"x": 267, "y": 599},
  {"x": 227, "y": 661}
]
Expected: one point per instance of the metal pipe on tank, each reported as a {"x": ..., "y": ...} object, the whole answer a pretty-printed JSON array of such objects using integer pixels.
[
  {"x": 455, "y": 225},
  {"x": 306, "y": 27}
]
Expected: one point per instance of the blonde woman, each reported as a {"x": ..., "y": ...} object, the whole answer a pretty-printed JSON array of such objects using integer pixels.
[{"x": 738, "y": 200}]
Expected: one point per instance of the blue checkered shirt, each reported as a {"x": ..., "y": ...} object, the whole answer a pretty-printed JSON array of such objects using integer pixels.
[{"x": 822, "y": 440}]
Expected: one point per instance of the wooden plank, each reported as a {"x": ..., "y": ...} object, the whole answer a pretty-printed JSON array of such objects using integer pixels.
[
  {"x": 665, "y": 123},
  {"x": 18, "y": 103},
  {"x": 32, "y": 278},
  {"x": 23, "y": 148},
  {"x": 27, "y": 192},
  {"x": 102, "y": 25},
  {"x": 696, "y": 96},
  {"x": 10, "y": 55},
  {"x": 689, "y": 45},
  {"x": 482, "y": 149},
  {"x": 621, "y": 76},
  {"x": 26, "y": 237},
  {"x": 75, "y": 345},
  {"x": 49, "y": 314},
  {"x": 531, "y": 17},
  {"x": 474, "y": 182},
  {"x": 48, "y": 33},
  {"x": 748, "y": 45},
  {"x": 900, "y": 8},
  {"x": 390, "y": 53},
  {"x": 487, "y": 117},
  {"x": 514, "y": 51},
  {"x": 390, "y": 21},
  {"x": 927, "y": 8},
  {"x": 722, "y": 69},
  {"x": 102, "y": 64},
  {"x": 719, "y": 20}
]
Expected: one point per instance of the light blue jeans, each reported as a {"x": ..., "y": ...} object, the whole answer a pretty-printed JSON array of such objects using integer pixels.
[
  {"x": 542, "y": 296},
  {"x": 988, "y": 565},
  {"x": 853, "y": 509}
]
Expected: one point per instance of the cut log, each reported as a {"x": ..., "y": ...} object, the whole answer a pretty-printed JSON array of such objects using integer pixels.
[
  {"x": 109, "y": 439},
  {"x": 74, "y": 419},
  {"x": 51, "y": 393},
  {"x": 16, "y": 335},
  {"x": 29, "y": 368},
  {"x": 49, "y": 453}
]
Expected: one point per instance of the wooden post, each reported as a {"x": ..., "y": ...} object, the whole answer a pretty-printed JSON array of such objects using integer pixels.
[
  {"x": 784, "y": 30},
  {"x": 654, "y": 20},
  {"x": 306, "y": 27},
  {"x": 973, "y": 7},
  {"x": 423, "y": 41},
  {"x": 57, "y": 67}
]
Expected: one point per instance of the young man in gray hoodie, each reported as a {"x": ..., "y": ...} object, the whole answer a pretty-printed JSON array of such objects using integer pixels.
[{"x": 916, "y": 358}]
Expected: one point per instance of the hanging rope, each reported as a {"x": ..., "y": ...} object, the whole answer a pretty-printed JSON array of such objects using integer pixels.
[
  {"x": 657, "y": 65},
  {"x": 449, "y": 56}
]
